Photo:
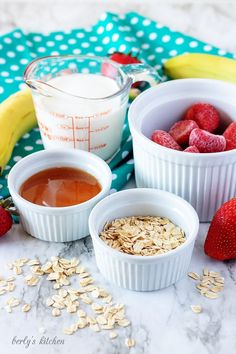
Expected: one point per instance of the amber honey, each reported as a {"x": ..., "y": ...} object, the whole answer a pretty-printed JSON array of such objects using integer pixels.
[{"x": 60, "y": 187}]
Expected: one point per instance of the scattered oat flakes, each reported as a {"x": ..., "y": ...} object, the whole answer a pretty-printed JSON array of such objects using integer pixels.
[
  {"x": 26, "y": 308},
  {"x": 42, "y": 330},
  {"x": 194, "y": 275},
  {"x": 196, "y": 308},
  {"x": 143, "y": 235},
  {"x": 56, "y": 312},
  {"x": 210, "y": 284},
  {"x": 113, "y": 335},
  {"x": 129, "y": 342}
]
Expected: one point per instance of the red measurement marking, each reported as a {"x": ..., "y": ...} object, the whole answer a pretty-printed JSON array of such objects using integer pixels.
[{"x": 98, "y": 147}]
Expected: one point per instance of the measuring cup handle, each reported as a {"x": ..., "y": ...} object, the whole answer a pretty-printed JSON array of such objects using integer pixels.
[{"x": 142, "y": 72}]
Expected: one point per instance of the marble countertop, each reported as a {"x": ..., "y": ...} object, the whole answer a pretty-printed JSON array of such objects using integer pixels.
[{"x": 162, "y": 321}]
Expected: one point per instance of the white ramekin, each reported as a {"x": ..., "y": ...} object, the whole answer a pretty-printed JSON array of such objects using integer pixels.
[
  {"x": 143, "y": 273},
  {"x": 205, "y": 180},
  {"x": 60, "y": 224}
]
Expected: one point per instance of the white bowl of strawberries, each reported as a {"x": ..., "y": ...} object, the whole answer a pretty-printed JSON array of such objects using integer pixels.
[{"x": 184, "y": 141}]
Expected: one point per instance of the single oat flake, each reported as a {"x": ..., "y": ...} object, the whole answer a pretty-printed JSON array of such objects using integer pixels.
[{"x": 196, "y": 308}]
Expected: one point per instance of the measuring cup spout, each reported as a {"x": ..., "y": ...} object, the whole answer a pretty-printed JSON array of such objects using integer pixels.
[{"x": 39, "y": 86}]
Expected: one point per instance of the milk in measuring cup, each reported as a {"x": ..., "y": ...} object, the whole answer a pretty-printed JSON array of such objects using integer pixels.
[{"x": 82, "y": 122}]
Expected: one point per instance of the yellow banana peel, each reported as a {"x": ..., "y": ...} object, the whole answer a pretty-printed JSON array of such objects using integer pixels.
[
  {"x": 17, "y": 117},
  {"x": 201, "y": 66}
]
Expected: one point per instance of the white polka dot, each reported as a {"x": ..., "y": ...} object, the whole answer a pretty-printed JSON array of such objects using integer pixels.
[
  {"x": 163, "y": 60},
  {"x": 115, "y": 37},
  {"x": 85, "y": 45},
  {"x": 93, "y": 39},
  {"x": 63, "y": 47},
  {"x": 36, "y": 129},
  {"x": 130, "y": 39},
  {"x": 130, "y": 162},
  {"x": 134, "y": 20},
  {"x": 1, "y": 90},
  {"x": 159, "y": 25},
  {"x": 193, "y": 44},
  {"x": 17, "y": 158},
  {"x": 26, "y": 136},
  {"x": 6, "y": 176},
  {"x": 7, "y": 40},
  {"x": 173, "y": 52},
  {"x": 114, "y": 176},
  {"x": 85, "y": 70},
  {"x": 151, "y": 57},
  {"x": 50, "y": 43},
  {"x": 18, "y": 78},
  {"x": 7, "y": 167},
  {"x": 221, "y": 52},
  {"x": 58, "y": 37},
  {"x": 165, "y": 38},
  {"x": 11, "y": 54},
  {"x": 113, "y": 190},
  {"x": 122, "y": 48},
  {"x": 103, "y": 16},
  {"x": 29, "y": 43},
  {"x": 124, "y": 154},
  {"x": 109, "y": 26},
  {"x": 128, "y": 176},
  {"x": 9, "y": 81},
  {"x": 22, "y": 86},
  {"x": 76, "y": 51},
  {"x": 41, "y": 50},
  {"x": 55, "y": 52},
  {"x": 93, "y": 63},
  {"x": 106, "y": 40},
  {"x": 98, "y": 49},
  {"x": 80, "y": 35},
  {"x": 1, "y": 46},
  {"x": 71, "y": 41},
  {"x": 20, "y": 48},
  {"x": 24, "y": 61},
  {"x": 100, "y": 30},
  {"x": 17, "y": 34},
  {"x": 28, "y": 148},
  {"x": 207, "y": 48},
  {"x": 39, "y": 142},
  {"x": 152, "y": 36},
  {"x": 179, "y": 40},
  {"x": 14, "y": 67},
  {"x": 33, "y": 55},
  {"x": 146, "y": 22},
  {"x": 157, "y": 67},
  {"x": 5, "y": 73},
  {"x": 1, "y": 186},
  {"x": 140, "y": 34},
  {"x": 37, "y": 38},
  {"x": 145, "y": 46}
]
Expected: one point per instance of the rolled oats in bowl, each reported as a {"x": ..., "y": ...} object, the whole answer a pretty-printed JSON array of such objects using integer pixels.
[{"x": 143, "y": 235}]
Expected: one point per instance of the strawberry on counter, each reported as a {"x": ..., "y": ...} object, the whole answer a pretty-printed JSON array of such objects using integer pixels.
[{"x": 220, "y": 242}]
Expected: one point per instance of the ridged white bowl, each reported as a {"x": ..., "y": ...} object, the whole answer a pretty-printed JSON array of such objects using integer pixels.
[
  {"x": 143, "y": 273},
  {"x": 60, "y": 224},
  {"x": 205, "y": 180}
]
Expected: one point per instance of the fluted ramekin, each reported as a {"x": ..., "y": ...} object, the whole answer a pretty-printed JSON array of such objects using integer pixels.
[
  {"x": 205, "y": 180},
  {"x": 143, "y": 273},
  {"x": 57, "y": 224}
]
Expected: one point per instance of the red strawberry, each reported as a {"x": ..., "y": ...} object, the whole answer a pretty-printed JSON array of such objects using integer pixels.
[
  {"x": 230, "y": 136},
  {"x": 165, "y": 139},
  {"x": 124, "y": 59},
  {"x": 205, "y": 115},
  {"x": 220, "y": 242},
  {"x": 5, "y": 221},
  {"x": 192, "y": 149},
  {"x": 207, "y": 142},
  {"x": 181, "y": 130}
]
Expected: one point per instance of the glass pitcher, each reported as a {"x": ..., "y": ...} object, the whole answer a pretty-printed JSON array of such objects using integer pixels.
[{"x": 81, "y": 101}]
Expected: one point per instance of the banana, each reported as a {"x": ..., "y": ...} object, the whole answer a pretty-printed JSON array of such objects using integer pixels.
[
  {"x": 201, "y": 66},
  {"x": 17, "y": 117}
]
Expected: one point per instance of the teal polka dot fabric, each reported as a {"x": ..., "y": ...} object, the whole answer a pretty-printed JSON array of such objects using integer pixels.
[{"x": 151, "y": 41}]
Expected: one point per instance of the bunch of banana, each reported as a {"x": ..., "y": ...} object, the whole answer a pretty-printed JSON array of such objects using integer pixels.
[
  {"x": 201, "y": 66},
  {"x": 17, "y": 117}
]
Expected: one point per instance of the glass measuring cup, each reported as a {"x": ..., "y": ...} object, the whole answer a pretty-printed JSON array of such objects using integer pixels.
[{"x": 87, "y": 121}]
